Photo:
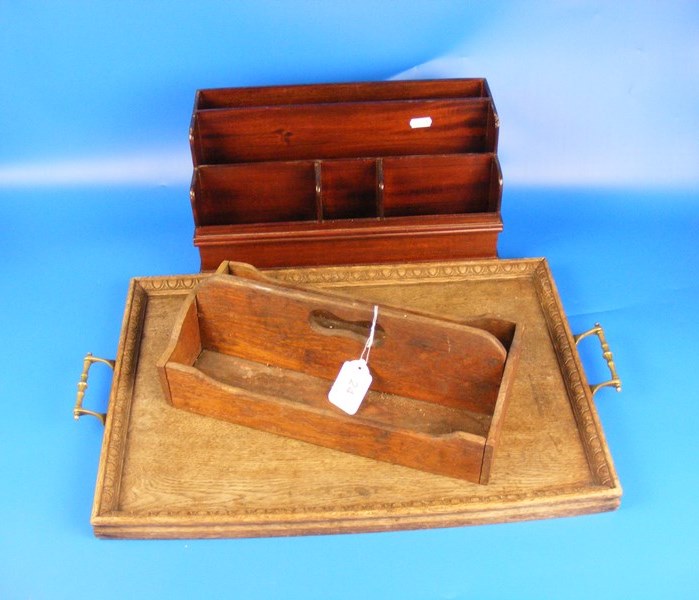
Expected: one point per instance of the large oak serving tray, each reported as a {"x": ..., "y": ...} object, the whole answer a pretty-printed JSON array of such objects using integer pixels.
[
  {"x": 167, "y": 473},
  {"x": 306, "y": 175}
]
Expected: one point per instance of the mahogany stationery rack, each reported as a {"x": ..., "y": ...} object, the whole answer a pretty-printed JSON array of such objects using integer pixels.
[{"x": 346, "y": 173}]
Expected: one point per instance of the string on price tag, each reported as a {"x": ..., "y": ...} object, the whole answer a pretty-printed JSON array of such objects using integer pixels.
[{"x": 353, "y": 381}]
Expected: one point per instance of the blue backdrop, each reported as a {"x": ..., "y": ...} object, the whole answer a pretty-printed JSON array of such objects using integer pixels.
[{"x": 599, "y": 108}]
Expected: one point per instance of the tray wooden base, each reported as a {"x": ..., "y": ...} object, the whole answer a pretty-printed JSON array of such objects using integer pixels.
[{"x": 167, "y": 473}]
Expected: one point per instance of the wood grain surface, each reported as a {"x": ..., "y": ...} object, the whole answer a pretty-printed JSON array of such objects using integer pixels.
[
  {"x": 165, "y": 472},
  {"x": 376, "y": 91},
  {"x": 366, "y": 170},
  {"x": 277, "y": 363}
]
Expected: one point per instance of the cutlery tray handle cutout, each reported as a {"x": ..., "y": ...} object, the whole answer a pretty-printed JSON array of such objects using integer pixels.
[
  {"x": 78, "y": 410},
  {"x": 606, "y": 354},
  {"x": 327, "y": 323}
]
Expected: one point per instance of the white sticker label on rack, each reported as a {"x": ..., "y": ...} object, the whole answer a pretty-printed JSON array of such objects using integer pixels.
[
  {"x": 351, "y": 385},
  {"x": 420, "y": 122}
]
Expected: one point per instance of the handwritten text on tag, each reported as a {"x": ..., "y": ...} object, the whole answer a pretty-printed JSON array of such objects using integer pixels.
[{"x": 351, "y": 385}]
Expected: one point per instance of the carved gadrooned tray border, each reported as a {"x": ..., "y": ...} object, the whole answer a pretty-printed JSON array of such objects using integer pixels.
[{"x": 602, "y": 494}]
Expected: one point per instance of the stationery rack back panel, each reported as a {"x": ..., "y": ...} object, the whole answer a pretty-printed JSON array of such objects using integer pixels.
[{"x": 346, "y": 173}]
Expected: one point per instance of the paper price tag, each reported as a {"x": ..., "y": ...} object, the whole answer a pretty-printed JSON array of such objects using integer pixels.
[
  {"x": 351, "y": 385},
  {"x": 420, "y": 122}
]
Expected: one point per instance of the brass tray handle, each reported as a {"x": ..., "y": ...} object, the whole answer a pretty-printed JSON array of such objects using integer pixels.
[
  {"x": 606, "y": 353},
  {"x": 78, "y": 410}
]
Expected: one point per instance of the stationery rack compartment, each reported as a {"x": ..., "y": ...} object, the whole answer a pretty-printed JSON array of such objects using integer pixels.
[{"x": 296, "y": 175}]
